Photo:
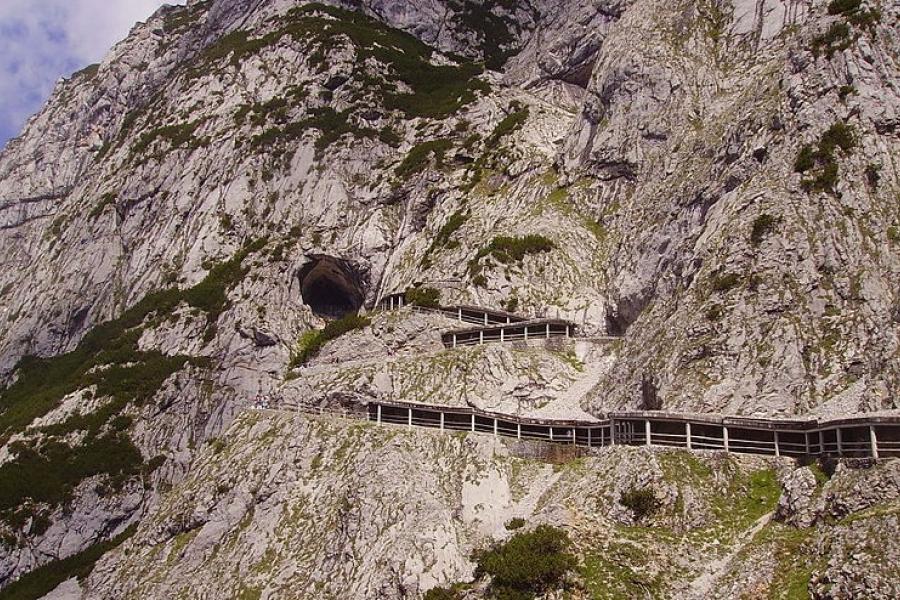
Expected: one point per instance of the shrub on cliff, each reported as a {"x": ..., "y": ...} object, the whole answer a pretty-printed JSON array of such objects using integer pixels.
[{"x": 529, "y": 564}]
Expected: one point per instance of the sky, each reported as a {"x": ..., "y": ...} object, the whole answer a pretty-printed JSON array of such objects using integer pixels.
[{"x": 43, "y": 40}]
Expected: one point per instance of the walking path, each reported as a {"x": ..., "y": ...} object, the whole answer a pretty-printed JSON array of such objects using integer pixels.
[
  {"x": 865, "y": 436},
  {"x": 862, "y": 436}
]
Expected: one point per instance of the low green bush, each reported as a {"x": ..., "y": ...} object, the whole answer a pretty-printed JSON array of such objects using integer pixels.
[
  {"x": 421, "y": 155},
  {"x": 641, "y": 502},
  {"x": 108, "y": 199},
  {"x": 529, "y": 564},
  {"x": 312, "y": 342},
  {"x": 840, "y": 7},
  {"x": 506, "y": 249},
  {"x": 842, "y": 34},
  {"x": 331, "y": 124},
  {"x": 423, "y": 296},
  {"x": 821, "y": 161},
  {"x": 48, "y": 473},
  {"x": 762, "y": 226},
  {"x": 893, "y": 233},
  {"x": 441, "y": 594},
  {"x": 515, "y": 523},
  {"x": 839, "y": 36},
  {"x": 110, "y": 360},
  {"x": 444, "y": 235},
  {"x": 873, "y": 175},
  {"x": 806, "y": 159},
  {"x": 436, "y": 90},
  {"x": 492, "y": 30},
  {"x": 725, "y": 282},
  {"x": 176, "y": 136},
  {"x": 510, "y": 124}
]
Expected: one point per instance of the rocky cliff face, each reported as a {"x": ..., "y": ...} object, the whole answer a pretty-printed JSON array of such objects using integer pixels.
[
  {"x": 286, "y": 506},
  {"x": 716, "y": 180}
]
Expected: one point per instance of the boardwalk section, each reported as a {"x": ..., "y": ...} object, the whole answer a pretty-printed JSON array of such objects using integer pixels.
[
  {"x": 862, "y": 436},
  {"x": 871, "y": 436},
  {"x": 507, "y": 332},
  {"x": 491, "y": 325}
]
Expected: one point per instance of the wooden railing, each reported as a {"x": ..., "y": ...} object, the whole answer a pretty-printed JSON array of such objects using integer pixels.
[
  {"x": 871, "y": 436},
  {"x": 491, "y": 325},
  {"x": 861, "y": 436}
]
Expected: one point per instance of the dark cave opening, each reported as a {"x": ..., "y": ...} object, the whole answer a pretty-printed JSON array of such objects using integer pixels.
[{"x": 331, "y": 287}]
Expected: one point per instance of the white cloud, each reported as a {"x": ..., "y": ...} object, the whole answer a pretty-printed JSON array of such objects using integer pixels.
[{"x": 43, "y": 40}]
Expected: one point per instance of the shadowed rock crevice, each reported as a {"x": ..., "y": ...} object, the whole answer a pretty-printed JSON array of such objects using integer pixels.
[{"x": 331, "y": 287}]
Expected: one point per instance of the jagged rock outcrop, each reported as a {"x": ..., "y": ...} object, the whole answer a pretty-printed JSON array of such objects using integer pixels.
[{"x": 712, "y": 181}]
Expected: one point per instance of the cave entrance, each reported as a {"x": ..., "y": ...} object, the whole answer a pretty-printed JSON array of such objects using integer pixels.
[{"x": 331, "y": 287}]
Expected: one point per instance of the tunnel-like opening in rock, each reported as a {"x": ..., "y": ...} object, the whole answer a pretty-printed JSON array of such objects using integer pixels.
[{"x": 331, "y": 287}]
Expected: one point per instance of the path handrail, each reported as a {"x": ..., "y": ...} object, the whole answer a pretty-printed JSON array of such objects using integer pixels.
[{"x": 855, "y": 436}]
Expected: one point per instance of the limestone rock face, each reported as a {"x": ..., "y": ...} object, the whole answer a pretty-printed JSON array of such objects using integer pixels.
[
  {"x": 311, "y": 508},
  {"x": 797, "y": 503},
  {"x": 714, "y": 183}
]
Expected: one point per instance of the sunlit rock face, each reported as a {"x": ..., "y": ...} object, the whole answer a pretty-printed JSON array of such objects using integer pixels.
[{"x": 715, "y": 183}]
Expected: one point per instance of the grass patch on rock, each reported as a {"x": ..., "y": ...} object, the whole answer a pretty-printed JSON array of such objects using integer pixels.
[
  {"x": 508, "y": 250},
  {"x": 312, "y": 342},
  {"x": 818, "y": 163},
  {"x": 421, "y": 156},
  {"x": 45, "y": 579}
]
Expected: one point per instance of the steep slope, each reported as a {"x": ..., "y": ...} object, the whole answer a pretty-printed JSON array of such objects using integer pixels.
[
  {"x": 760, "y": 278},
  {"x": 236, "y": 169},
  {"x": 290, "y": 507}
]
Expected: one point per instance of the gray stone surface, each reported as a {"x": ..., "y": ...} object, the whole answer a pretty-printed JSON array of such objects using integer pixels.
[{"x": 658, "y": 135}]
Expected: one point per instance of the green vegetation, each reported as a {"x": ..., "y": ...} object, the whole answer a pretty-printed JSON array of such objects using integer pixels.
[
  {"x": 510, "y": 124},
  {"x": 641, "y": 502},
  {"x": 747, "y": 499},
  {"x": 893, "y": 233},
  {"x": 821, "y": 161},
  {"x": 420, "y": 156},
  {"x": 616, "y": 573},
  {"x": 49, "y": 473},
  {"x": 837, "y": 37},
  {"x": 492, "y": 30},
  {"x": 444, "y": 235},
  {"x": 89, "y": 72},
  {"x": 515, "y": 523},
  {"x": 275, "y": 109},
  {"x": 506, "y": 250},
  {"x": 108, "y": 199},
  {"x": 437, "y": 91},
  {"x": 109, "y": 360},
  {"x": 211, "y": 294},
  {"x": 177, "y": 136},
  {"x": 725, "y": 282},
  {"x": 715, "y": 313},
  {"x": 183, "y": 18},
  {"x": 529, "y": 564},
  {"x": 441, "y": 594},
  {"x": 842, "y": 34},
  {"x": 43, "y": 580},
  {"x": 423, "y": 296},
  {"x": 332, "y": 125},
  {"x": 762, "y": 226},
  {"x": 873, "y": 175},
  {"x": 846, "y": 91},
  {"x": 312, "y": 342}
]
